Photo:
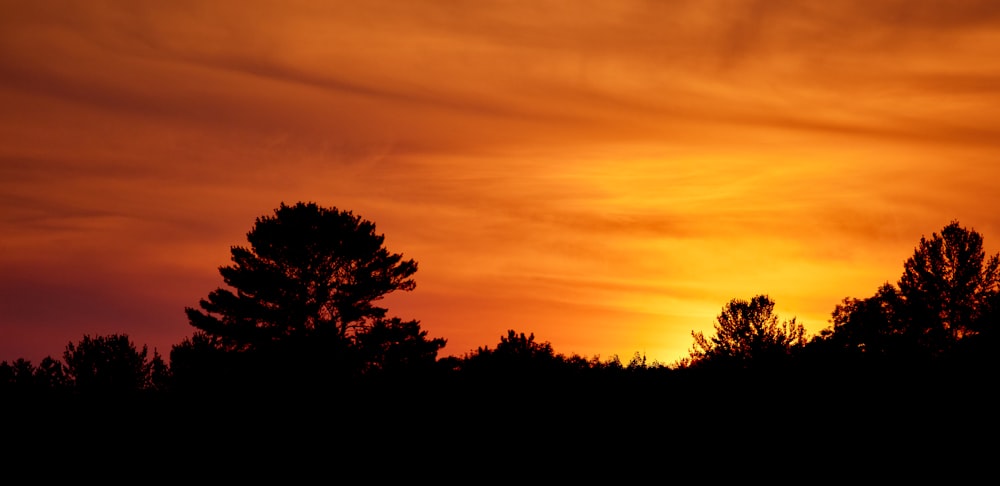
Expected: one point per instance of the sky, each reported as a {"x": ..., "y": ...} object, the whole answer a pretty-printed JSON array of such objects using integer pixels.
[{"x": 605, "y": 175}]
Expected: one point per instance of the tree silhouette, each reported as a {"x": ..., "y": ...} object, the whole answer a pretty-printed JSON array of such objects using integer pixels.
[
  {"x": 947, "y": 284},
  {"x": 159, "y": 373},
  {"x": 51, "y": 374},
  {"x": 18, "y": 375},
  {"x": 947, "y": 294},
  {"x": 748, "y": 331},
  {"x": 107, "y": 364},
  {"x": 7, "y": 375},
  {"x": 515, "y": 354},
  {"x": 301, "y": 307},
  {"x": 196, "y": 364},
  {"x": 22, "y": 377},
  {"x": 521, "y": 346},
  {"x": 309, "y": 271},
  {"x": 868, "y": 326},
  {"x": 394, "y": 345}
]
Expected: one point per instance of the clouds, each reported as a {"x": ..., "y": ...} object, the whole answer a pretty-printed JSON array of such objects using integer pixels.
[
  {"x": 664, "y": 156},
  {"x": 456, "y": 75}
]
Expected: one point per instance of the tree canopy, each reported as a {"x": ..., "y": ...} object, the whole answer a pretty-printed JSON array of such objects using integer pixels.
[
  {"x": 112, "y": 363},
  {"x": 948, "y": 282},
  {"x": 945, "y": 296},
  {"x": 748, "y": 331},
  {"x": 309, "y": 271},
  {"x": 301, "y": 304}
]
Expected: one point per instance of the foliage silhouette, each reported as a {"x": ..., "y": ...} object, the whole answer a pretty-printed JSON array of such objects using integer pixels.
[
  {"x": 309, "y": 271},
  {"x": 944, "y": 299},
  {"x": 947, "y": 283},
  {"x": 522, "y": 380},
  {"x": 522, "y": 347},
  {"x": 521, "y": 364},
  {"x": 51, "y": 374},
  {"x": 108, "y": 364},
  {"x": 197, "y": 364},
  {"x": 17, "y": 376},
  {"x": 519, "y": 360},
  {"x": 21, "y": 377},
  {"x": 868, "y": 327},
  {"x": 747, "y": 332},
  {"x": 396, "y": 346},
  {"x": 301, "y": 306},
  {"x": 515, "y": 351}
]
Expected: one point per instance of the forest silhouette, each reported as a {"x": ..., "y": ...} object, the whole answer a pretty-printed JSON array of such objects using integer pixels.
[{"x": 297, "y": 333}]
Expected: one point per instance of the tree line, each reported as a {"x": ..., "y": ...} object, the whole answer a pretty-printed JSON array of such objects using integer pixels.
[{"x": 299, "y": 311}]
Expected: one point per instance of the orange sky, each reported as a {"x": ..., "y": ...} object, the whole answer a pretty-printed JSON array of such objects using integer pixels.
[{"x": 606, "y": 175}]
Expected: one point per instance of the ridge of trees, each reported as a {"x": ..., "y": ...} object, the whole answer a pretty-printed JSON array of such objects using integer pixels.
[
  {"x": 300, "y": 311},
  {"x": 109, "y": 364},
  {"x": 944, "y": 306}
]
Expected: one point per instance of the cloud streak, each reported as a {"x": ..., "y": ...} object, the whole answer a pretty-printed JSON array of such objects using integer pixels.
[{"x": 605, "y": 174}]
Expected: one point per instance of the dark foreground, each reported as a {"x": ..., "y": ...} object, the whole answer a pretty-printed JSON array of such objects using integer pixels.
[{"x": 839, "y": 425}]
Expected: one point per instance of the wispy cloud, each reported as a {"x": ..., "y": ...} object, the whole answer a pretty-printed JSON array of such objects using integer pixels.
[{"x": 624, "y": 166}]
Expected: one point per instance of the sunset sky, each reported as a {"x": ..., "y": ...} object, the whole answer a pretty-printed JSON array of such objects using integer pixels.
[{"x": 604, "y": 174}]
